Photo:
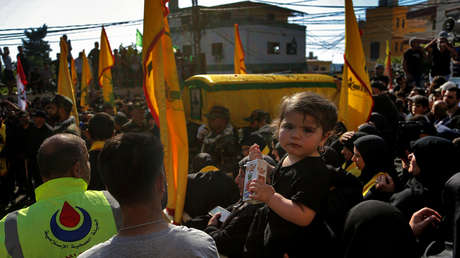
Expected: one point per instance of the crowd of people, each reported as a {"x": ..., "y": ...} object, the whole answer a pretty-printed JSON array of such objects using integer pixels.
[
  {"x": 94, "y": 185},
  {"x": 43, "y": 77}
]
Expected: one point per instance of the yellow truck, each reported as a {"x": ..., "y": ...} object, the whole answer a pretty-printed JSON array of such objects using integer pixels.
[{"x": 243, "y": 93}]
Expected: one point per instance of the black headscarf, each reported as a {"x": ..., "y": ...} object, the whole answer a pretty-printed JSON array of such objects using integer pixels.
[
  {"x": 331, "y": 157},
  {"x": 349, "y": 143},
  {"x": 377, "y": 229},
  {"x": 437, "y": 160},
  {"x": 451, "y": 214},
  {"x": 378, "y": 120},
  {"x": 252, "y": 138},
  {"x": 375, "y": 154},
  {"x": 369, "y": 129}
]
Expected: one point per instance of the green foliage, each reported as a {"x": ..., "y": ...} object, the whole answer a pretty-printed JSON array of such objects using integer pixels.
[{"x": 35, "y": 48}]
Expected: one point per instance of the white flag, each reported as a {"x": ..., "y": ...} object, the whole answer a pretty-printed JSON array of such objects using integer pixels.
[{"x": 21, "y": 83}]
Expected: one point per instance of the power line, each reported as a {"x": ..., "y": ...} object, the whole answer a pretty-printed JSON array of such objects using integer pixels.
[
  {"x": 72, "y": 29},
  {"x": 107, "y": 24},
  {"x": 341, "y": 6},
  {"x": 309, "y": 5}
]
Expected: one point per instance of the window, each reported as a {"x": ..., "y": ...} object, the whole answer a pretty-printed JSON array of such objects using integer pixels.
[
  {"x": 402, "y": 47},
  {"x": 273, "y": 48},
  {"x": 322, "y": 69},
  {"x": 217, "y": 49},
  {"x": 375, "y": 50},
  {"x": 397, "y": 22},
  {"x": 291, "y": 47},
  {"x": 270, "y": 17},
  {"x": 187, "y": 50},
  {"x": 403, "y": 23},
  {"x": 396, "y": 47},
  {"x": 433, "y": 25}
]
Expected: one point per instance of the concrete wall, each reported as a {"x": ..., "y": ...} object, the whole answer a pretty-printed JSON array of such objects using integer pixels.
[
  {"x": 254, "y": 39},
  {"x": 318, "y": 66}
]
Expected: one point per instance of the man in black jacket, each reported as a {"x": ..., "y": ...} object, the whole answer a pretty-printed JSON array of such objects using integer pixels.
[
  {"x": 100, "y": 128},
  {"x": 36, "y": 134}
]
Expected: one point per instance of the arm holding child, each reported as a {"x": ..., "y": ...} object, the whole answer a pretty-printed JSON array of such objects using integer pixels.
[{"x": 293, "y": 212}]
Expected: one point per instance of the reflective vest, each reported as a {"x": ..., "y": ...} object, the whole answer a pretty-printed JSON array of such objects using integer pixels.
[{"x": 65, "y": 221}]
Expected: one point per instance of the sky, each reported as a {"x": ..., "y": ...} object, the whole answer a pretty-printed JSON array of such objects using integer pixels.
[{"x": 321, "y": 39}]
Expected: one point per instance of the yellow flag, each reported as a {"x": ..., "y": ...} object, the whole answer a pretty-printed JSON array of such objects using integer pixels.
[
  {"x": 106, "y": 62},
  {"x": 356, "y": 101},
  {"x": 388, "y": 65},
  {"x": 238, "y": 57},
  {"x": 86, "y": 78},
  {"x": 65, "y": 86},
  {"x": 73, "y": 74},
  {"x": 162, "y": 92}
]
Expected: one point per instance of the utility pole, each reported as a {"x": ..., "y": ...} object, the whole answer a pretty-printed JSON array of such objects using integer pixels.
[{"x": 196, "y": 29}]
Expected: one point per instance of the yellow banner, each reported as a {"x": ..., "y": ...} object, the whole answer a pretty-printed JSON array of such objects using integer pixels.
[
  {"x": 162, "y": 92},
  {"x": 388, "y": 65},
  {"x": 238, "y": 57},
  {"x": 65, "y": 86},
  {"x": 355, "y": 94},
  {"x": 86, "y": 78},
  {"x": 106, "y": 62},
  {"x": 73, "y": 74}
]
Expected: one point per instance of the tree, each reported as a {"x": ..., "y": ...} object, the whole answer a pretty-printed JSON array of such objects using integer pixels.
[{"x": 36, "y": 49}]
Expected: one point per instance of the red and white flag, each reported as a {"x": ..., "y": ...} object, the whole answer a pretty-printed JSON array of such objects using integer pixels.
[{"x": 21, "y": 83}]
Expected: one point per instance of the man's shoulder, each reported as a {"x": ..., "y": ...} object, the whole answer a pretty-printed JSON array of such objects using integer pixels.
[
  {"x": 16, "y": 213},
  {"x": 97, "y": 250},
  {"x": 86, "y": 200},
  {"x": 193, "y": 239},
  {"x": 177, "y": 241},
  {"x": 189, "y": 234}
]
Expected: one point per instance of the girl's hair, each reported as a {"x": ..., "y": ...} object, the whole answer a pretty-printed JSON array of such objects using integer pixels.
[{"x": 308, "y": 103}]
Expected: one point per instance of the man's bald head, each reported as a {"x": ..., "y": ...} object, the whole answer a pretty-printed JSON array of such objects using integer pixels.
[{"x": 59, "y": 153}]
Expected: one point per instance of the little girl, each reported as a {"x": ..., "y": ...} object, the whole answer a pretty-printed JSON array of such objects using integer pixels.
[{"x": 298, "y": 198}]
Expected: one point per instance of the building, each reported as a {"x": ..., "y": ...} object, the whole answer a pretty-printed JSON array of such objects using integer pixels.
[
  {"x": 318, "y": 66},
  {"x": 271, "y": 43},
  {"x": 388, "y": 21},
  {"x": 431, "y": 17}
]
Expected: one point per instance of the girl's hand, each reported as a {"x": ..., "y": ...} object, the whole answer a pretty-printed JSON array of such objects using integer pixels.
[
  {"x": 385, "y": 183},
  {"x": 254, "y": 152},
  {"x": 261, "y": 191}
]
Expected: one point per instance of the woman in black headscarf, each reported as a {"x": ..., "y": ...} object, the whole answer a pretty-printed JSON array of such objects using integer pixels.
[
  {"x": 432, "y": 162},
  {"x": 347, "y": 152},
  {"x": 371, "y": 155},
  {"x": 378, "y": 230},
  {"x": 369, "y": 128},
  {"x": 451, "y": 202}
]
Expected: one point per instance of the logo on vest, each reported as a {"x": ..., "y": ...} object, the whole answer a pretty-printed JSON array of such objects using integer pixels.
[{"x": 71, "y": 227}]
